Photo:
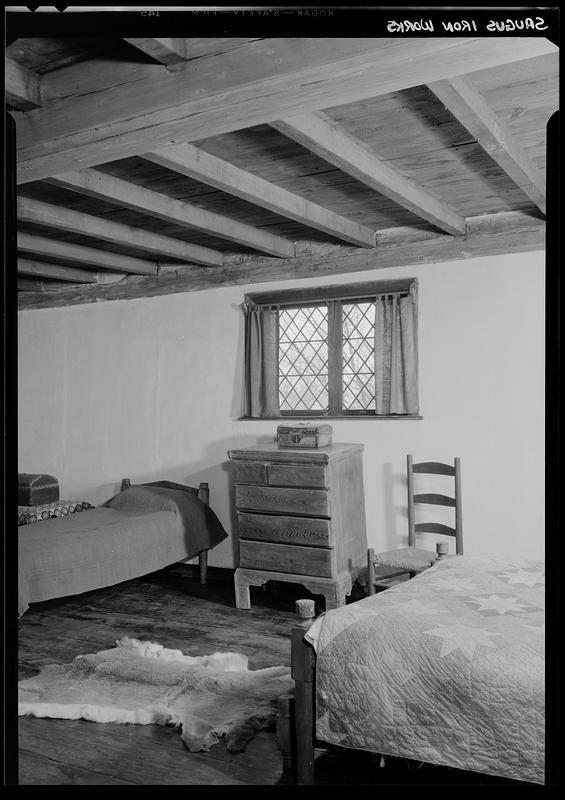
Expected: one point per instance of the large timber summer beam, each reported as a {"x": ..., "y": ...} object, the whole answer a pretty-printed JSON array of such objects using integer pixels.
[
  {"x": 196, "y": 163},
  {"x": 268, "y": 79},
  {"x": 507, "y": 232},
  {"x": 79, "y": 254},
  {"x": 471, "y": 109},
  {"x": 47, "y": 215},
  {"x": 328, "y": 140},
  {"x": 166, "y": 51},
  {"x": 98, "y": 184}
]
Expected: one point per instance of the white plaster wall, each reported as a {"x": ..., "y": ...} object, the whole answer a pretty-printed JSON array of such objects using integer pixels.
[{"x": 151, "y": 388}]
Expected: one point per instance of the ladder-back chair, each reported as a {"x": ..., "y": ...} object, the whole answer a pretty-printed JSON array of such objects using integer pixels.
[{"x": 412, "y": 559}]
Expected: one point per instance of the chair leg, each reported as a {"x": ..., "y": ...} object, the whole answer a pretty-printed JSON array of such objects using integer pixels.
[{"x": 370, "y": 571}]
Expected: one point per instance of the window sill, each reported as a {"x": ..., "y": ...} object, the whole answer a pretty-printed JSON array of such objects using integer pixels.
[{"x": 307, "y": 418}]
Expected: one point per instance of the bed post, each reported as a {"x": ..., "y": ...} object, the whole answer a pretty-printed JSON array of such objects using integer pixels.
[
  {"x": 302, "y": 670},
  {"x": 204, "y": 492},
  {"x": 204, "y": 495}
]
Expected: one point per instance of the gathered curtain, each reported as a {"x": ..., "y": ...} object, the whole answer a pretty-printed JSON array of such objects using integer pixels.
[
  {"x": 396, "y": 354},
  {"x": 261, "y": 377}
]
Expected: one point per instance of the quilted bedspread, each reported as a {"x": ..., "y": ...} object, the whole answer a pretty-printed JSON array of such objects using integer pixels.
[{"x": 447, "y": 668}]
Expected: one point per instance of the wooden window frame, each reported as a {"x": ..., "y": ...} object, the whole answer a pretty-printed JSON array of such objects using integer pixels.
[{"x": 338, "y": 294}]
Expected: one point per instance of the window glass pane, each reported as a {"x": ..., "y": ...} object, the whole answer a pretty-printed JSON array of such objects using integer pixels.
[
  {"x": 303, "y": 358},
  {"x": 358, "y": 356}
]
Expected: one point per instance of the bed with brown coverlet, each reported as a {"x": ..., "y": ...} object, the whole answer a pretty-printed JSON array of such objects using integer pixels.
[{"x": 140, "y": 530}]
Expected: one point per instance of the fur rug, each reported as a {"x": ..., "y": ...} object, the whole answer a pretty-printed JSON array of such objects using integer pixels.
[{"x": 144, "y": 683}]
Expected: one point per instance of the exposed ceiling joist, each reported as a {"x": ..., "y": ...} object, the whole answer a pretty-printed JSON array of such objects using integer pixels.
[
  {"x": 207, "y": 97},
  {"x": 166, "y": 51},
  {"x": 327, "y": 139},
  {"x": 41, "y": 269},
  {"x": 31, "y": 285},
  {"x": 79, "y": 254},
  {"x": 474, "y": 113},
  {"x": 507, "y": 232},
  {"x": 22, "y": 86},
  {"x": 196, "y": 163},
  {"x": 63, "y": 219},
  {"x": 129, "y": 195}
]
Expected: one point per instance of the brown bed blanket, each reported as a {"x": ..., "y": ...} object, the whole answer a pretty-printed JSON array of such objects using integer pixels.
[{"x": 140, "y": 530}]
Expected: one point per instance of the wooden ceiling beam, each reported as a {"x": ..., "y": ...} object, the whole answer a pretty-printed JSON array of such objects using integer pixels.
[
  {"x": 22, "y": 86},
  {"x": 30, "y": 285},
  {"x": 266, "y": 80},
  {"x": 327, "y": 139},
  {"x": 37, "y": 212},
  {"x": 129, "y": 195},
  {"x": 166, "y": 51},
  {"x": 199, "y": 165},
  {"x": 506, "y": 232},
  {"x": 76, "y": 253},
  {"x": 471, "y": 109},
  {"x": 58, "y": 272}
]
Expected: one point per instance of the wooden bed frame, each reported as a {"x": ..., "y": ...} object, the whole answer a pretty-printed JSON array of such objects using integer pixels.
[
  {"x": 296, "y": 713},
  {"x": 203, "y": 493},
  {"x": 296, "y": 719}
]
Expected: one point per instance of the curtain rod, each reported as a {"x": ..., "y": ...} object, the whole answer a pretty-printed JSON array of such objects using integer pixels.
[{"x": 323, "y": 301}]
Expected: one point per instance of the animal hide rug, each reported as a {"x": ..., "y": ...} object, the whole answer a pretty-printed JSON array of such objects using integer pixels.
[{"x": 145, "y": 683}]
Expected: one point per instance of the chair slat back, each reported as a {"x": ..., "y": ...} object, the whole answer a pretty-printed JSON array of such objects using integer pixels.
[
  {"x": 435, "y": 468},
  {"x": 435, "y": 527},
  {"x": 435, "y": 499}
]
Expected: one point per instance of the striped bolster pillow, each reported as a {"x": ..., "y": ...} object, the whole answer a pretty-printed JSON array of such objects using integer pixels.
[{"x": 60, "y": 508}]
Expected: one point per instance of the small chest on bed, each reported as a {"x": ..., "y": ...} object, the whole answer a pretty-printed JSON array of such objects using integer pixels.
[{"x": 35, "y": 490}]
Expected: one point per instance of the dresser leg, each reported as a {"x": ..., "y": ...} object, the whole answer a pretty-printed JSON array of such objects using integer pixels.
[
  {"x": 336, "y": 596},
  {"x": 242, "y": 598}
]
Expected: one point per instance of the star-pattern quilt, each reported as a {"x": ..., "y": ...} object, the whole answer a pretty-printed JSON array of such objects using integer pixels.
[{"x": 447, "y": 668}]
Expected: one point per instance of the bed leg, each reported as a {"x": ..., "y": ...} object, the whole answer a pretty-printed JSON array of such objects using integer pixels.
[
  {"x": 284, "y": 730},
  {"x": 203, "y": 565},
  {"x": 302, "y": 670}
]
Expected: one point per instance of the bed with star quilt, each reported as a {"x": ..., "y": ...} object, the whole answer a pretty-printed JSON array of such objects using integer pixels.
[{"x": 447, "y": 668}]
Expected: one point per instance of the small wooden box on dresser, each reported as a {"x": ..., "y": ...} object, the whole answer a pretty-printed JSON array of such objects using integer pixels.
[{"x": 301, "y": 518}]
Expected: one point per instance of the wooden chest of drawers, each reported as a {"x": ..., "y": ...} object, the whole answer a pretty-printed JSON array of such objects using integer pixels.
[{"x": 301, "y": 518}]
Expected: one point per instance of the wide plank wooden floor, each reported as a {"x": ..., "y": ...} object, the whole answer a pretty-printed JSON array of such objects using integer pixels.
[{"x": 171, "y": 608}]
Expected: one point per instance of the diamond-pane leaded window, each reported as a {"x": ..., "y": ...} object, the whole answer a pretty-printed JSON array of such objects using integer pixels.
[
  {"x": 303, "y": 358},
  {"x": 358, "y": 371},
  {"x": 334, "y": 351}
]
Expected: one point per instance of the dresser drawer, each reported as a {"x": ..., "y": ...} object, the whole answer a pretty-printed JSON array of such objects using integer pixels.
[
  {"x": 300, "y": 560},
  {"x": 284, "y": 530},
  {"x": 303, "y": 502},
  {"x": 297, "y": 475},
  {"x": 250, "y": 472}
]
